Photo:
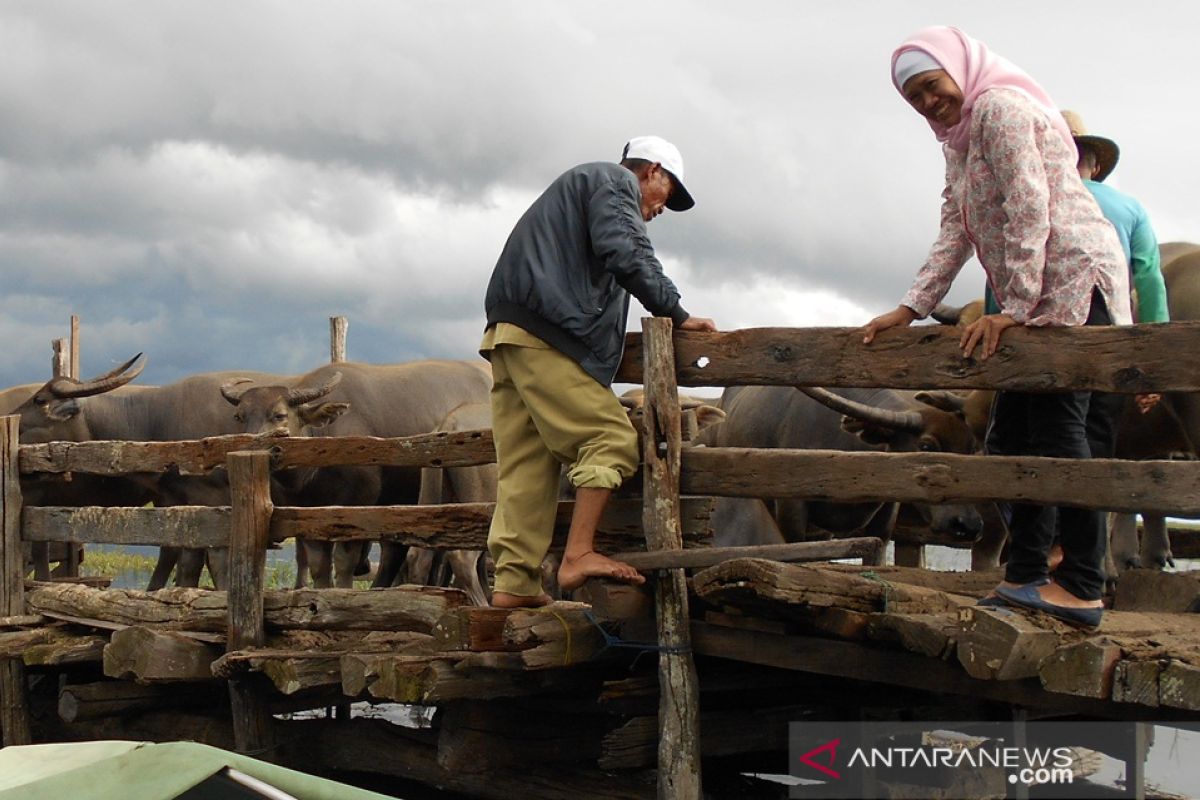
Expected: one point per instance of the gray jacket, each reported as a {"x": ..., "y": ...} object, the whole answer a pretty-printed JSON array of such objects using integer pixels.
[{"x": 572, "y": 261}]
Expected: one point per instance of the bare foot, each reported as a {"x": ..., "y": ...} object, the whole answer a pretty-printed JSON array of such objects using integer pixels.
[
  {"x": 506, "y": 600},
  {"x": 577, "y": 569}
]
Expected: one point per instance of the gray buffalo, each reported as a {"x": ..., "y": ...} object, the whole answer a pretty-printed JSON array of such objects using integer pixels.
[
  {"x": 388, "y": 400},
  {"x": 68, "y": 410},
  {"x": 852, "y": 420}
]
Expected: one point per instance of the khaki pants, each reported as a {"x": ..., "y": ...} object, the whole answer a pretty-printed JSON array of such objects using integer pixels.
[{"x": 546, "y": 412}]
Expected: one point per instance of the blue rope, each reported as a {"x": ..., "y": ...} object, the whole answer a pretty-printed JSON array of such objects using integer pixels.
[{"x": 614, "y": 641}]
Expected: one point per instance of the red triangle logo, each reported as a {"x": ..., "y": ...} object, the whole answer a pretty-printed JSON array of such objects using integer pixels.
[{"x": 830, "y": 748}]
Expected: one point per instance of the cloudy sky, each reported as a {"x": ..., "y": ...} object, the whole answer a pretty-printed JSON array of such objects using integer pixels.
[{"x": 209, "y": 182}]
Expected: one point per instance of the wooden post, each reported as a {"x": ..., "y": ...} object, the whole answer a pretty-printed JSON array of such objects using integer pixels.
[
  {"x": 60, "y": 362},
  {"x": 249, "y": 535},
  {"x": 14, "y": 700},
  {"x": 337, "y": 339},
  {"x": 678, "y": 709},
  {"x": 909, "y": 554},
  {"x": 73, "y": 364}
]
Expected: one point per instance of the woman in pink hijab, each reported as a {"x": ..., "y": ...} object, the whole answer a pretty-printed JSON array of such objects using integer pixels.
[{"x": 1014, "y": 199}]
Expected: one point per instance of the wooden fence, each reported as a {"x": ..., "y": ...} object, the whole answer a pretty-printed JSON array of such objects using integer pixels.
[{"x": 1131, "y": 359}]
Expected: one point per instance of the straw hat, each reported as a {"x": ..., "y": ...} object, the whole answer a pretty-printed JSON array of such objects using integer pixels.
[{"x": 1106, "y": 150}]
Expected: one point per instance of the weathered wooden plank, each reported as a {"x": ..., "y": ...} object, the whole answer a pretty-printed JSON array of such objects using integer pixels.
[
  {"x": 679, "y": 697},
  {"x": 1084, "y": 668},
  {"x": 857, "y": 547},
  {"x": 1179, "y": 685},
  {"x": 84, "y": 701},
  {"x": 249, "y": 536},
  {"x": 1001, "y": 645},
  {"x": 1137, "y": 682},
  {"x": 398, "y": 608},
  {"x": 465, "y": 525},
  {"x": 184, "y": 526},
  {"x": 974, "y": 583},
  {"x": 560, "y": 634},
  {"x": 15, "y": 727},
  {"x": 66, "y": 649},
  {"x": 444, "y": 527},
  {"x": 149, "y": 655},
  {"x": 772, "y": 587},
  {"x": 1170, "y": 487},
  {"x": 1131, "y": 358},
  {"x": 200, "y": 456},
  {"x": 425, "y": 679},
  {"x": 896, "y": 668},
  {"x": 1155, "y": 590},
  {"x": 933, "y": 635}
]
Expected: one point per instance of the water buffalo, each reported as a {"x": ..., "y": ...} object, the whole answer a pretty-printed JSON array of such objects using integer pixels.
[
  {"x": 53, "y": 398},
  {"x": 388, "y": 400},
  {"x": 68, "y": 410},
  {"x": 852, "y": 420}
]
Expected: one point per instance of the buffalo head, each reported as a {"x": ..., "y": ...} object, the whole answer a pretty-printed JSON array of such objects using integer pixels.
[
  {"x": 280, "y": 411},
  {"x": 934, "y": 422},
  {"x": 53, "y": 412}
]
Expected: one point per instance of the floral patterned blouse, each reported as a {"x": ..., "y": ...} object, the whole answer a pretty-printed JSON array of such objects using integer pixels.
[{"x": 1016, "y": 198}]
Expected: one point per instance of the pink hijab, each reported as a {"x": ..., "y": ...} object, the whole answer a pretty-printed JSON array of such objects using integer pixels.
[{"x": 976, "y": 69}]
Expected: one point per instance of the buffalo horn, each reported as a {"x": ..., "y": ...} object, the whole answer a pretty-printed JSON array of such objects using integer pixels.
[
  {"x": 884, "y": 417},
  {"x": 298, "y": 397},
  {"x": 230, "y": 392},
  {"x": 113, "y": 379}
]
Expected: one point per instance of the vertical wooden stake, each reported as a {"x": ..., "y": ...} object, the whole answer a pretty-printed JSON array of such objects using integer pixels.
[
  {"x": 14, "y": 700},
  {"x": 678, "y": 709},
  {"x": 60, "y": 361},
  {"x": 74, "y": 370},
  {"x": 250, "y": 531},
  {"x": 337, "y": 339}
]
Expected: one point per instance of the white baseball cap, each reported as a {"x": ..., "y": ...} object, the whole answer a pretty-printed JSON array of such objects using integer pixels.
[{"x": 660, "y": 151}]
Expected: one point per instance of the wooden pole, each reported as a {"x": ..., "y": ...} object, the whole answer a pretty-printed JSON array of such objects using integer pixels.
[
  {"x": 14, "y": 700},
  {"x": 60, "y": 362},
  {"x": 337, "y": 339},
  {"x": 249, "y": 535},
  {"x": 74, "y": 370},
  {"x": 678, "y": 709}
]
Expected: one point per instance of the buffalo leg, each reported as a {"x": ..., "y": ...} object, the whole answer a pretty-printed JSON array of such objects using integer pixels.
[
  {"x": 217, "y": 559},
  {"x": 391, "y": 559},
  {"x": 320, "y": 563},
  {"x": 1156, "y": 543},
  {"x": 463, "y": 565},
  {"x": 985, "y": 553},
  {"x": 168, "y": 557},
  {"x": 301, "y": 563},
  {"x": 419, "y": 565},
  {"x": 191, "y": 564},
  {"x": 1123, "y": 542},
  {"x": 346, "y": 558}
]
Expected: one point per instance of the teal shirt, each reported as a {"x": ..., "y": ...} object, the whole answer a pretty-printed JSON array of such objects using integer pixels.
[{"x": 1141, "y": 252}]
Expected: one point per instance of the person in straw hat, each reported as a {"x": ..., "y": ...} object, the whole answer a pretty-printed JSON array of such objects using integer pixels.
[{"x": 1014, "y": 199}]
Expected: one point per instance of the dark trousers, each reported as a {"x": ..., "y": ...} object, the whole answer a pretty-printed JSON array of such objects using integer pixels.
[{"x": 1055, "y": 425}]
